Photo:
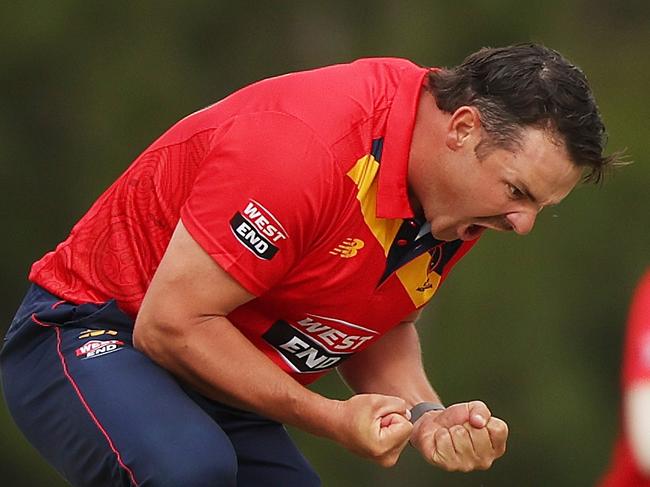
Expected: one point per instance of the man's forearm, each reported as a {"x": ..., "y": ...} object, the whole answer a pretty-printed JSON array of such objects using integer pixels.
[
  {"x": 391, "y": 366},
  {"x": 394, "y": 366},
  {"x": 218, "y": 361},
  {"x": 182, "y": 326}
]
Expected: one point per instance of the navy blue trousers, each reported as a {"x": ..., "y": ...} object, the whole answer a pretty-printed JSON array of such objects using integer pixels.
[{"x": 103, "y": 414}]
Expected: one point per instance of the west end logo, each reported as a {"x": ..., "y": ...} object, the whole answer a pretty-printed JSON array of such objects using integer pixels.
[
  {"x": 317, "y": 343},
  {"x": 257, "y": 229},
  {"x": 97, "y": 348}
]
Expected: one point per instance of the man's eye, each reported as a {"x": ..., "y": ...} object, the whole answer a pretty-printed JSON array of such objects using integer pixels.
[{"x": 515, "y": 192}]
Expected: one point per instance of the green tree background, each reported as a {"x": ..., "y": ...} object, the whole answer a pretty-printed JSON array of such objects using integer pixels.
[{"x": 531, "y": 325}]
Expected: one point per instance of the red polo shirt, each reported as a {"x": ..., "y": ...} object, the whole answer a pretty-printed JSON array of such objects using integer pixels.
[
  {"x": 623, "y": 471},
  {"x": 296, "y": 186}
]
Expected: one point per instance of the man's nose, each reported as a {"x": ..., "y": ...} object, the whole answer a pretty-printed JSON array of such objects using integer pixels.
[{"x": 522, "y": 221}]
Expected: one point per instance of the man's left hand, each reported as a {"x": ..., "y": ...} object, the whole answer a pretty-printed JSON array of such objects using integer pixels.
[{"x": 463, "y": 437}]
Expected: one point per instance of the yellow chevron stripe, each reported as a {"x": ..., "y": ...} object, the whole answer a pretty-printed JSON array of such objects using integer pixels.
[
  {"x": 412, "y": 275},
  {"x": 364, "y": 175}
]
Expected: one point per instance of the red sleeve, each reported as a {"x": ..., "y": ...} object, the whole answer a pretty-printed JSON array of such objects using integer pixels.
[
  {"x": 636, "y": 356},
  {"x": 258, "y": 197}
]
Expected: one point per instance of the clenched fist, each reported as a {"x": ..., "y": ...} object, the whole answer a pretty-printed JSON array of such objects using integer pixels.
[
  {"x": 463, "y": 437},
  {"x": 374, "y": 426}
]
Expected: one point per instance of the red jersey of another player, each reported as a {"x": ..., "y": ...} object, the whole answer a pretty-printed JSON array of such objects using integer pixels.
[
  {"x": 623, "y": 471},
  {"x": 297, "y": 187}
]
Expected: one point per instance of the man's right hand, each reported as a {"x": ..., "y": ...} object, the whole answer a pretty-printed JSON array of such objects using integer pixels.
[{"x": 374, "y": 426}]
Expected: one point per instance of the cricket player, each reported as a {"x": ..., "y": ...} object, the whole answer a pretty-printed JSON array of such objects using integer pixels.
[{"x": 296, "y": 227}]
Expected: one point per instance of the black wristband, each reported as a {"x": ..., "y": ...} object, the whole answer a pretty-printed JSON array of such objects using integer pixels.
[{"x": 419, "y": 409}]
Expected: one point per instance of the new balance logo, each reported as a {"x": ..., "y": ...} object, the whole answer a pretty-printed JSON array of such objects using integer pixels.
[{"x": 348, "y": 248}]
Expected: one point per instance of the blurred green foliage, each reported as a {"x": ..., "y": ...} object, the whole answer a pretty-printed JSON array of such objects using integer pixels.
[{"x": 530, "y": 325}]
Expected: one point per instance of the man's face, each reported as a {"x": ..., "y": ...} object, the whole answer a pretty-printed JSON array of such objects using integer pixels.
[{"x": 462, "y": 195}]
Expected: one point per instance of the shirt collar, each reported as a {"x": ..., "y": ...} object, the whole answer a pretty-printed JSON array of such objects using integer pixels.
[{"x": 392, "y": 192}]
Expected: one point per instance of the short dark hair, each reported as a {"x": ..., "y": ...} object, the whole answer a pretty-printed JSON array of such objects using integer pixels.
[{"x": 527, "y": 85}]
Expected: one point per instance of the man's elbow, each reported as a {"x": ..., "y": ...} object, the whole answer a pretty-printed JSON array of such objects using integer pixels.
[
  {"x": 140, "y": 337},
  {"x": 151, "y": 337},
  {"x": 143, "y": 338}
]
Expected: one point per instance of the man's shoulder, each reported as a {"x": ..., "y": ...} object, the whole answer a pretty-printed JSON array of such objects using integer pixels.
[
  {"x": 390, "y": 62},
  {"x": 348, "y": 93},
  {"x": 358, "y": 72},
  {"x": 380, "y": 68}
]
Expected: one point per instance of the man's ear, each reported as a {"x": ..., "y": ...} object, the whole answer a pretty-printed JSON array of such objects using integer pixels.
[{"x": 464, "y": 128}]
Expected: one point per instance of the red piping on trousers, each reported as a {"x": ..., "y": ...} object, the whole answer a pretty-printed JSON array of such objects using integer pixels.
[{"x": 83, "y": 400}]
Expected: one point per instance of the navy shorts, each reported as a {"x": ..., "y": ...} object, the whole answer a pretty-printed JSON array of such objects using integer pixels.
[{"x": 103, "y": 414}]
